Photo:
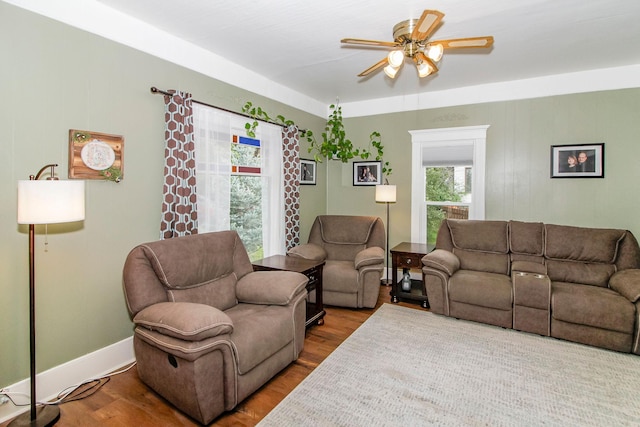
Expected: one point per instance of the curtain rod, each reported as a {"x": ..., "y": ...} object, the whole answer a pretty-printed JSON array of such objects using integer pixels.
[{"x": 156, "y": 90}]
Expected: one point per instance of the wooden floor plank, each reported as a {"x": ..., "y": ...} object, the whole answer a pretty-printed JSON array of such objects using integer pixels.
[{"x": 126, "y": 401}]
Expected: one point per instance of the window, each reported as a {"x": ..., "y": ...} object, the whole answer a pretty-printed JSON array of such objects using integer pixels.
[
  {"x": 239, "y": 180},
  {"x": 447, "y": 178}
]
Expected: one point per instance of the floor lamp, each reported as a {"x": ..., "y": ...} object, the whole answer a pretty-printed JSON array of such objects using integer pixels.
[
  {"x": 386, "y": 194},
  {"x": 48, "y": 201}
]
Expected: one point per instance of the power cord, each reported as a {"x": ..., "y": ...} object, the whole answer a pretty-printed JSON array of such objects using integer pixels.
[{"x": 72, "y": 393}]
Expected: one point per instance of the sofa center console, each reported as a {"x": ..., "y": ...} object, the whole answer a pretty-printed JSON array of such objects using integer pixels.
[{"x": 531, "y": 302}]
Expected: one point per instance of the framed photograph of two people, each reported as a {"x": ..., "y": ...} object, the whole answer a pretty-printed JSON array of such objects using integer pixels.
[
  {"x": 367, "y": 173},
  {"x": 577, "y": 161}
]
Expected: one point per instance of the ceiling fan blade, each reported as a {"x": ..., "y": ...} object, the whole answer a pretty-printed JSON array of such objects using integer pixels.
[
  {"x": 369, "y": 42},
  {"x": 468, "y": 42},
  {"x": 374, "y": 67},
  {"x": 427, "y": 24}
]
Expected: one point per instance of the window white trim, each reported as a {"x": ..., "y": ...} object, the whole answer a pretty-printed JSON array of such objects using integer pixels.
[{"x": 444, "y": 137}]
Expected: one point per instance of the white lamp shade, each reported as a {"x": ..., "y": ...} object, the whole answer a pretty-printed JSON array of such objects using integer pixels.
[
  {"x": 386, "y": 193},
  {"x": 435, "y": 51},
  {"x": 396, "y": 58},
  {"x": 391, "y": 71},
  {"x": 50, "y": 201}
]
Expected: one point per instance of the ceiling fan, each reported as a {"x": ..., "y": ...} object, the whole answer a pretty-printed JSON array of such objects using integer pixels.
[{"x": 411, "y": 40}]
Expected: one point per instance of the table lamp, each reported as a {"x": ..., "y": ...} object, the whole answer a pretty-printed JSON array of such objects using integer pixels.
[{"x": 47, "y": 201}]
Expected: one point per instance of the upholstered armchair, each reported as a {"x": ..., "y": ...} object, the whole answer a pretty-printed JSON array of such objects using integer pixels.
[
  {"x": 353, "y": 250},
  {"x": 209, "y": 331}
]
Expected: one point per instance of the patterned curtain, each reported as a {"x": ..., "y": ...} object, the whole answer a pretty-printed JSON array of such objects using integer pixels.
[
  {"x": 291, "y": 166},
  {"x": 179, "y": 209}
]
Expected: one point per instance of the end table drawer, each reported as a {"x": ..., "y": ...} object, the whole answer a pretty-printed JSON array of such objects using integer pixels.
[{"x": 410, "y": 260}]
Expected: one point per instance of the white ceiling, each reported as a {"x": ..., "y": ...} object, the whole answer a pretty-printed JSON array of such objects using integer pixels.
[
  {"x": 290, "y": 50},
  {"x": 297, "y": 43}
]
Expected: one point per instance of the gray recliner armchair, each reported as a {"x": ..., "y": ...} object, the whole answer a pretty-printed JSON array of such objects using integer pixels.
[
  {"x": 209, "y": 331},
  {"x": 353, "y": 250}
]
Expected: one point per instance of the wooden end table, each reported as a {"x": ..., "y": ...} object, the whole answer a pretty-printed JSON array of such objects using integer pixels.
[
  {"x": 408, "y": 255},
  {"x": 311, "y": 269}
]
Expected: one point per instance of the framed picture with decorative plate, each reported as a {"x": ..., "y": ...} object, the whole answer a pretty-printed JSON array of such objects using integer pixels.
[{"x": 94, "y": 155}]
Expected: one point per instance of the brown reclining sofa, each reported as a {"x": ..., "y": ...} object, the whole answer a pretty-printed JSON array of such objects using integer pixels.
[{"x": 574, "y": 283}]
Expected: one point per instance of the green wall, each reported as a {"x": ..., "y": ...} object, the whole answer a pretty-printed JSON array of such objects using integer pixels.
[
  {"x": 55, "y": 78},
  {"x": 518, "y": 185}
]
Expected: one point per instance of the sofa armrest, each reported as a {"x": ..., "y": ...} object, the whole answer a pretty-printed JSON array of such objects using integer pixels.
[
  {"x": 185, "y": 320},
  {"x": 308, "y": 251},
  {"x": 270, "y": 287},
  {"x": 529, "y": 267},
  {"x": 370, "y": 256},
  {"x": 442, "y": 260},
  {"x": 627, "y": 284}
]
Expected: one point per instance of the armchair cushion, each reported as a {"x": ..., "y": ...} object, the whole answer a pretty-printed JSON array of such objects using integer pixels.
[
  {"x": 309, "y": 251},
  {"x": 185, "y": 320},
  {"x": 270, "y": 287},
  {"x": 370, "y": 256},
  {"x": 442, "y": 260},
  {"x": 627, "y": 283},
  {"x": 346, "y": 229}
]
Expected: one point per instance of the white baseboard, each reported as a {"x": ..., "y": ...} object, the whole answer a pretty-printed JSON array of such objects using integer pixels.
[{"x": 54, "y": 380}]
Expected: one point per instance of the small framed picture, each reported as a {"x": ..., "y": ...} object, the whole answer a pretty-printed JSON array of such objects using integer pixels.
[
  {"x": 307, "y": 172},
  {"x": 367, "y": 173},
  {"x": 577, "y": 161}
]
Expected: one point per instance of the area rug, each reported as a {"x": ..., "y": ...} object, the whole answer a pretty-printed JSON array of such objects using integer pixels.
[{"x": 410, "y": 367}]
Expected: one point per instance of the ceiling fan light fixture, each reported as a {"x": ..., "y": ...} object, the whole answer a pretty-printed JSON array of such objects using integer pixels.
[
  {"x": 424, "y": 69},
  {"x": 411, "y": 40},
  {"x": 423, "y": 65},
  {"x": 434, "y": 52},
  {"x": 391, "y": 71},
  {"x": 396, "y": 58}
]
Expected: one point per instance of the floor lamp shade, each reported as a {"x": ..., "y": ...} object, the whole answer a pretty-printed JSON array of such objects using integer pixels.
[
  {"x": 50, "y": 201},
  {"x": 386, "y": 193}
]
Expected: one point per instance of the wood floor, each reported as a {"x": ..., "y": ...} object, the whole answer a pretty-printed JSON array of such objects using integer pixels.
[{"x": 126, "y": 401}]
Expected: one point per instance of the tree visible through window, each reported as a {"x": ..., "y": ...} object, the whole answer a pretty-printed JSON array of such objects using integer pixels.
[
  {"x": 448, "y": 194},
  {"x": 246, "y": 193}
]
